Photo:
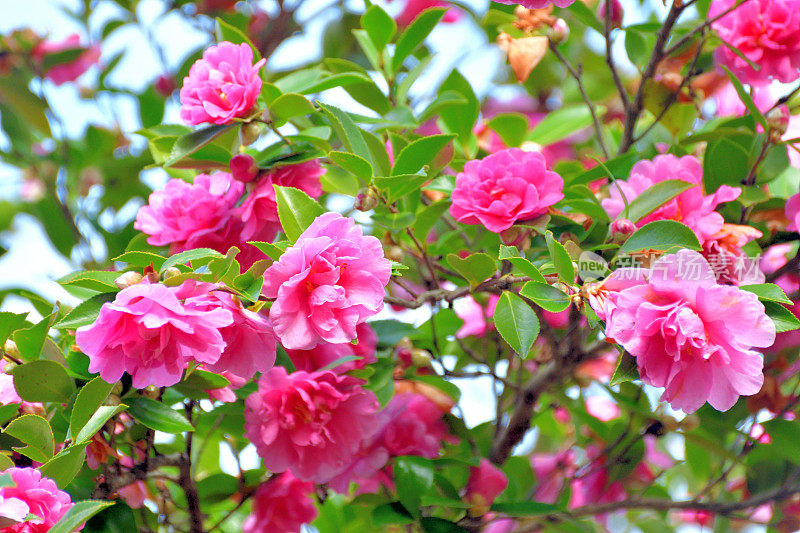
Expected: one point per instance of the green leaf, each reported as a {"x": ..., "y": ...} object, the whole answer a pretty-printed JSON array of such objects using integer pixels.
[
  {"x": 768, "y": 291},
  {"x": 189, "y": 255},
  {"x": 79, "y": 514},
  {"x": 192, "y": 142},
  {"x": 561, "y": 259},
  {"x": 726, "y": 162},
  {"x": 428, "y": 217},
  {"x": 460, "y": 118},
  {"x": 291, "y": 105},
  {"x": 356, "y": 165},
  {"x": 103, "y": 414},
  {"x": 661, "y": 235},
  {"x": 561, "y": 123},
  {"x": 348, "y": 132},
  {"x": 434, "y": 524},
  {"x": 89, "y": 399},
  {"x": 273, "y": 250},
  {"x": 783, "y": 318},
  {"x": 227, "y": 32},
  {"x": 65, "y": 465},
  {"x": 655, "y": 197},
  {"x": 415, "y": 35},
  {"x": 516, "y": 322},
  {"x": 30, "y": 341},
  {"x": 100, "y": 281},
  {"x": 744, "y": 96},
  {"x": 10, "y": 322},
  {"x": 512, "y": 255},
  {"x": 14, "y": 91},
  {"x": 35, "y": 432},
  {"x": 396, "y": 187},
  {"x": 419, "y": 153},
  {"x": 545, "y": 296},
  {"x": 413, "y": 477},
  {"x": 379, "y": 26},
  {"x": 296, "y": 210},
  {"x": 43, "y": 381},
  {"x": 581, "y": 12},
  {"x": 785, "y": 434},
  {"x": 156, "y": 415},
  {"x": 475, "y": 268},
  {"x": 85, "y": 313},
  {"x": 200, "y": 381},
  {"x": 510, "y": 127},
  {"x": 625, "y": 370}
]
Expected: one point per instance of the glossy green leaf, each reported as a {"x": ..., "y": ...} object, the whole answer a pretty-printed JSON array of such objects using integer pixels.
[
  {"x": 661, "y": 235},
  {"x": 89, "y": 399},
  {"x": 516, "y": 322},
  {"x": 65, "y": 465},
  {"x": 296, "y": 210},
  {"x": 43, "y": 381},
  {"x": 415, "y": 34},
  {"x": 475, "y": 268},
  {"x": 545, "y": 296},
  {"x": 653, "y": 198},
  {"x": 35, "y": 432},
  {"x": 79, "y": 514},
  {"x": 156, "y": 415},
  {"x": 413, "y": 477},
  {"x": 85, "y": 313}
]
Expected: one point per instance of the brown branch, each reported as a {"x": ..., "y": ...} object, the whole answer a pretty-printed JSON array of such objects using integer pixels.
[
  {"x": 495, "y": 285},
  {"x": 623, "y": 92},
  {"x": 187, "y": 481},
  {"x": 140, "y": 472},
  {"x": 702, "y": 28}
]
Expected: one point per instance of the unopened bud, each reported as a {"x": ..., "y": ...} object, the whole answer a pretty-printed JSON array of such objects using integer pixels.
[
  {"x": 170, "y": 272},
  {"x": 165, "y": 85},
  {"x": 10, "y": 348},
  {"x": 518, "y": 236},
  {"x": 366, "y": 199},
  {"x": 616, "y": 13},
  {"x": 621, "y": 229},
  {"x": 117, "y": 388},
  {"x": 250, "y": 132},
  {"x": 778, "y": 122},
  {"x": 128, "y": 279},
  {"x": 150, "y": 392},
  {"x": 394, "y": 253},
  {"x": 421, "y": 358},
  {"x": 244, "y": 168},
  {"x": 559, "y": 31}
]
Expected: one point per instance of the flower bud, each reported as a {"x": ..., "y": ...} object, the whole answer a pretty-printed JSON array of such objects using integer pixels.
[
  {"x": 128, "y": 279},
  {"x": 170, "y": 272},
  {"x": 621, "y": 229},
  {"x": 151, "y": 392},
  {"x": 394, "y": 253},
  {"x": 518, "y": 236},
  {"x": 10, "y": 348},
  {"x": 250, "y": 132},
  {"x": 559, "y": 31},
  {"x": 244, "y": 168},
  {"x": 421, "y": 358},
  {"x": 616, "y": 13},
  {"x": 778, "y": 122},
  {"x": 366, "y": 199},
  {"x": 485, "y": 483},
  {"x": 165, "y": 85}
]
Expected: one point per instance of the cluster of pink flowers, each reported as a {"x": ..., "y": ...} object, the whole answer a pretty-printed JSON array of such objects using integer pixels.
[
  {"x": 31, "y": 495},
  {"x": 204, "y": 213},
  {"x": 154, "y": 332},
  {"x": 691, "y": 207},
  {"x": 766, "y": 32},
  {"x": 331, "y": 280},
  {"x": 689, "y": 334},
  {"x": 71, "y": 71},
  {"x": 224, "y": 84},
  {"x": 503, "y": 188}
]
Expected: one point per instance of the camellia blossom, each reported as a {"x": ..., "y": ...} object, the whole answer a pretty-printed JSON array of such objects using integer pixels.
[
  {"x": 8, "y": 393},
  {"x": 326, "y": 353},
  {"x": 503, "y": 188},
  {"x": 476, "y": 317},
  {"x": 690, "y": 207},
  {"x": 331, "y": 280},
  {"x": 281, "y": 505},
  {"x": 31, "y": 494},
  {"x": 311, "y": 423},
  {"x": 249, "y": 340},
  {"x": 413, "y": 8},
  {"x": 766, "y": 32},
  {"x": 72, "y": 70},
  {"x": 259, "y": 211},
  {"x": 689, "y": 334},
  {"x": 224, "y": 84},
  {"x": 191, "y": 215},
  {"x": 484, "y": 485},
  {"x": 793, "y": 212},
  {"x": 150, "y": 333}
]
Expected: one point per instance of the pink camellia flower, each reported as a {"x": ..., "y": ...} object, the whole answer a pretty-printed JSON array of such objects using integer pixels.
[
  {"x": 551, "y": 471},
  {"x": 8, "y": 393},
  {"x": 411, "y": 424},
  {"x": 602, "y": 408},
  {"x": 281, "y": 505},
  {"x": 243, "y": 168},
  {"x": 503, "y": 188},
  {"x": 793, "y": 212},
  {"x": 476, "y": 317},
  {"x": 766, "y": 32},
  {"x": 484, "y": 485},
  {"x": 64, "y": 72},
  {"x": 135, "y": 494},
  {"x": 690, "y": 207},
  {"x": 35, "y": 495},
  {"x": 150, "y": 333},
  {"x": 249, "y": 340},
  {"x": 224, "y": 84},
  {"x": 259, "y": 211},
  {"x": 326, "y": 353},
  {"x": 311, "y": 423},
  {"x": 730, "y": 104},
  {"x": 731, "y": 265},
  {"x": 413, "y": 8},
  {"x": 689, "y": 334},
  {"x": 196, "y": 215},
  {"x": 331, "y": 280}
]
